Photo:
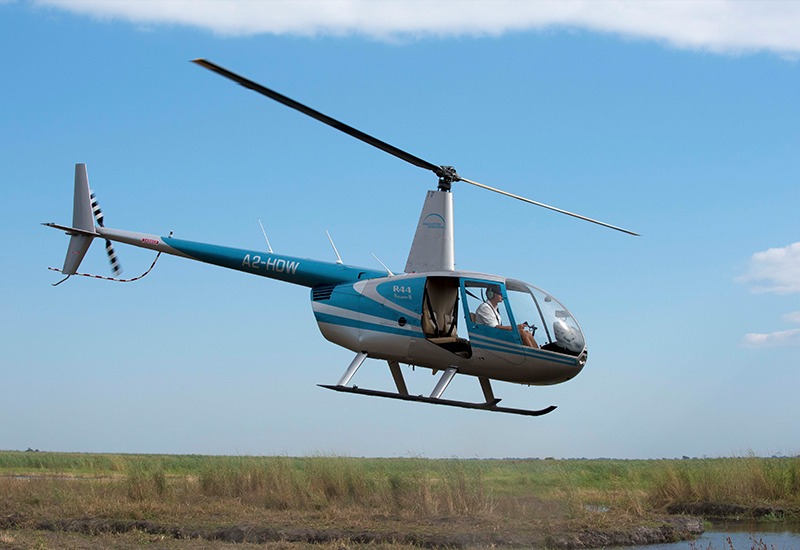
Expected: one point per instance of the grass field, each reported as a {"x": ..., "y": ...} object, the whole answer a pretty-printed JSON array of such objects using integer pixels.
[{"x": 528, "y": 499}]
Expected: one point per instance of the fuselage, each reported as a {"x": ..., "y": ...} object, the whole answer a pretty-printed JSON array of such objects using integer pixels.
[
  {"x": 428, "y": 320},
  {"x": 422, "y": 319}
]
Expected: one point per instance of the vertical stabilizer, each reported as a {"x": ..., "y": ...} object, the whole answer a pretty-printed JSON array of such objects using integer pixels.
[
  {"x": 82, "y": 218},
  {"x": 433, "y": 248}
]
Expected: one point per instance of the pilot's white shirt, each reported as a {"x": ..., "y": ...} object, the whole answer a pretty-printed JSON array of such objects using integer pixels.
[{"x": 487, "y": 315}]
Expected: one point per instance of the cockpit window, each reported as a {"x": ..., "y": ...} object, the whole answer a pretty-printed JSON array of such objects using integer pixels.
[
  {"x": 556, "y": 326},
  {"x": 478, "y": 293}
]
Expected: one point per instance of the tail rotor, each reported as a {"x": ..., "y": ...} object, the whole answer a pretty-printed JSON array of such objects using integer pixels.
[
  {"x": 86, "y": 219},
  {"x": 112, "y": 255}
]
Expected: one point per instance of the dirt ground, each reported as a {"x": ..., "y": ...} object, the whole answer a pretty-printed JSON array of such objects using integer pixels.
[
  {"x": 93, "y": 533},
  {"x": 25, "y": 539}
]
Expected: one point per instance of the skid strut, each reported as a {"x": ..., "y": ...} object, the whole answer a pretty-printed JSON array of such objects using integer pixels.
[
  {"x": 444, "y": 381},
  {"x": 397, "y": 374},
  {"x": 351, "y": 370}
]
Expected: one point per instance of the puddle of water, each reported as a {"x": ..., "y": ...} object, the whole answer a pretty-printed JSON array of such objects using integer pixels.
[
  {"x": 739, "y": 536},
  {"x": 747, "y": 527}
]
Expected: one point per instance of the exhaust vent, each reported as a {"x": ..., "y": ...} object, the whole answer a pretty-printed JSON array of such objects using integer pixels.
[{"x": 322, "y": 292}]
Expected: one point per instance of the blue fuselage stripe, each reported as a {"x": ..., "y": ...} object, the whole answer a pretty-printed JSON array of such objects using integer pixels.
[
  {"x": 357, "y": 324},
  {"x": 518, "y": 349},
  {"x": 300, "y": 271}
]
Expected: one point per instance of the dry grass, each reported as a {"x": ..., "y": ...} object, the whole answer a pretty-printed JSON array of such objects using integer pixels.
[
  {"x": 745, "y": 481},
  {"x": 527, "y": 499},
  {"x": 276, "y": 489}
]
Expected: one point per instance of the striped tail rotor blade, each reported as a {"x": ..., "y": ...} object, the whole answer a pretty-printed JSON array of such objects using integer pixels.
[
  {"x": 98, "y": 214},
  {"x": 112, "y": 257}
]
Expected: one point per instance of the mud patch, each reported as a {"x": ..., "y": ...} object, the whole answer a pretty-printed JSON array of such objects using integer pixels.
[
  {"x": 672, "y": 529},
  {"x": 238, "y": 533},
  {"x": 716, "y": 510}
]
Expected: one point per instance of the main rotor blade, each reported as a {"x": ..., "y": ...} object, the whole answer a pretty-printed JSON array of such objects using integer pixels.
[
  {"x": 549, "y": 207},
  {"x": 332, "y": 122},
  {"x": 446, "y": 174}
]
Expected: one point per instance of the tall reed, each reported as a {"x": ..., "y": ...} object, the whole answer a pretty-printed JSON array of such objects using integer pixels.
[
  {"x": 408, "y": 485},
  {"x": 744, "y": 481}
]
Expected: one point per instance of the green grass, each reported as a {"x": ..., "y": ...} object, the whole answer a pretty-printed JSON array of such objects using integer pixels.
[
  {"x": 516, "y": 500},
  {"x": 16, "y": 462},
  {"x": 410, "y": 486}
]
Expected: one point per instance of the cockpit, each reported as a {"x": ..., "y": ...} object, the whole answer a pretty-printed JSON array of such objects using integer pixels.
[
  {"x": 483, "y": 325},
  {"x": 499, "y": 311}
]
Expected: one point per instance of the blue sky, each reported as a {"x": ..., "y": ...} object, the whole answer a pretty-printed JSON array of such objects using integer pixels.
[{"x": 680, "y": 125}]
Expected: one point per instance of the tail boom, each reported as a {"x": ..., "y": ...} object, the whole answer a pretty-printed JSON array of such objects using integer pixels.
[
  {"x": 299, "y": 271},
  {"x": 291, "y": 269}
]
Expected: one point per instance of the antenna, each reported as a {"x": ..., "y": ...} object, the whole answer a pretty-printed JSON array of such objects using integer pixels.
[
  {"x": 389, "y": 271},
  {"x": 338, "y": 259},
  {"x": 265, "y": 235}
]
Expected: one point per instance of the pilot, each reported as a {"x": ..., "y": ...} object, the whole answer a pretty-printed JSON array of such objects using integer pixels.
[{"x": 487, "y": 314}]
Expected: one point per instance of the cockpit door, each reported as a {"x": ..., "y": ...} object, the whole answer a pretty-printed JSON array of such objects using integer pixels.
[{"x": 484, "y": 319}]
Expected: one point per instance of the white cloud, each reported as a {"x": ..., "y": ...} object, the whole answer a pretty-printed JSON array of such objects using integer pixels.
[
  {"x": 776, "y": 270},
  {"x": 776, "y": 339},
  {"x": 723, "y": 26},
  {"x": 793, "y": 317}
]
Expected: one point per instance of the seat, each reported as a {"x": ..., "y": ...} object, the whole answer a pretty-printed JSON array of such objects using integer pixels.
[{"x": 438, "y": 311}]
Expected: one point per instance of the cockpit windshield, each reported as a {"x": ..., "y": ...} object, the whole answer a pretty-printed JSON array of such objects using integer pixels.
[{"x": 560, "y": 331}]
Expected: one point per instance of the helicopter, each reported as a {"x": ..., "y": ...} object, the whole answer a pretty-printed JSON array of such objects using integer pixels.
[{"x": 430, "y": 316}]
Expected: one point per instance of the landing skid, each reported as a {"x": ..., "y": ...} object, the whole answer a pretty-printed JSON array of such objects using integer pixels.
[
  {"x": 491, "y": 406},
  {"x": 435, "y": 398}
]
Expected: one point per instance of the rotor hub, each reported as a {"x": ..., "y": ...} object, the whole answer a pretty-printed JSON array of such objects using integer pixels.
[{"x": 447, "y": 175}]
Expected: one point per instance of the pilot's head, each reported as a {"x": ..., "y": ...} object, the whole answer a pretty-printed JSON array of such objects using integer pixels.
[{"x": 493, "y": 292}]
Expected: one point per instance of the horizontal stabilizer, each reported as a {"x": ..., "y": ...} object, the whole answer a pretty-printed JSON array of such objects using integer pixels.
[{"x": 71, "y": 230}]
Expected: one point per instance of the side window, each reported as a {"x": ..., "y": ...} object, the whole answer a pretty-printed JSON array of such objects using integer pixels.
[{"x": 480, "y": 305}]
